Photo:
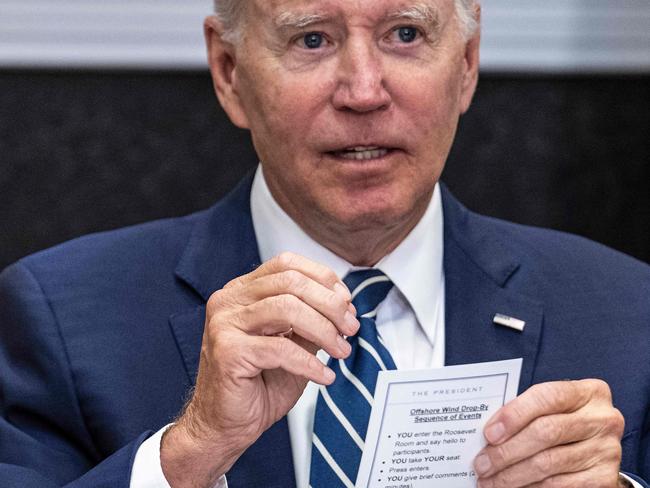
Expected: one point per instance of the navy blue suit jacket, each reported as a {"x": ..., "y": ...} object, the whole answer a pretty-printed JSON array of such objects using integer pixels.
[{"x": 100, "y": 337}]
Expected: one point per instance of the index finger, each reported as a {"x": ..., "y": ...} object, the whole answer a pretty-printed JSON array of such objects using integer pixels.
[
  {"x": 538, "y": 401},
  {"x": 290, "y": 261}
]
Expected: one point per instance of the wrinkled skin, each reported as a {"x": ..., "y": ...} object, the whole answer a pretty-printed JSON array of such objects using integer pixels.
[{"x": 393, "y": 88}]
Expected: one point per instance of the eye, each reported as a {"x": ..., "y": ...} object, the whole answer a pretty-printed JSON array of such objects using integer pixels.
[
  {"x": 313, "y": 40},
  {"x": 407, "y": 34}
]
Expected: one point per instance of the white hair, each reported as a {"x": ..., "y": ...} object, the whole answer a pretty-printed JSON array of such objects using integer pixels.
[
  {"x": 229, "y": 12},
  {"x": 467, "y": 17}
]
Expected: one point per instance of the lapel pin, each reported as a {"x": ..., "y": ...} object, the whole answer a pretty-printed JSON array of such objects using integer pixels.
[{"x": 510, "y": 322}]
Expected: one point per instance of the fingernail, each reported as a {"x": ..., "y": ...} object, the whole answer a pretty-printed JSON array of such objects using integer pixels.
[
  {"x": 330, "y": 376},
  {"x": 352, "y": 309},
  {"x": 495, "y": 432},
  {"x": 344, "y": 346},
  {"x": 342, "y": 291},
  {"x": 351, "y": 322},
  {"x": 482, "y": 464}
]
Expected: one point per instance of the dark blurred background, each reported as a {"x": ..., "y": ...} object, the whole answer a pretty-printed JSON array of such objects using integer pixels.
[{"x": 85, "y": 151}]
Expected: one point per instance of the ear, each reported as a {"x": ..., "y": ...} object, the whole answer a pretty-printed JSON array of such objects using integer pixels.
[
  {"x": 222, "y": 59},
  {"x": 471, "y": 62}
]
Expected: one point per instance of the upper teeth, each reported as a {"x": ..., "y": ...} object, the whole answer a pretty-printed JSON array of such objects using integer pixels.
[
  {"x": 363, "y": 148},
  {"x": 363, "y": 153}
]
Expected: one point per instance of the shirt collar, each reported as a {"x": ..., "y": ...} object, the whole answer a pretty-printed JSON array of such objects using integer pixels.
[{"x": 415, "y": 266}]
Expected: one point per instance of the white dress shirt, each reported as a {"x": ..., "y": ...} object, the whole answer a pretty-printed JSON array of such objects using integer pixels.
[{"x": 410, "y": 320}]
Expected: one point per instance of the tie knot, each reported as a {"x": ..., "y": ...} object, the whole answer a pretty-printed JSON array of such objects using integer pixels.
[{"x": 369, "y": 287}]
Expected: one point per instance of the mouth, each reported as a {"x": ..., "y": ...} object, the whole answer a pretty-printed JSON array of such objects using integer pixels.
[{"x": 361, "y": 153}]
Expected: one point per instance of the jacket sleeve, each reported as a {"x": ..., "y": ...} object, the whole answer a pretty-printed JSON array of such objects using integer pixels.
[
  {"x": 636, "y": 479},
  {"x": 44, "y": 441},
  {"x": 638, "y": 442}
]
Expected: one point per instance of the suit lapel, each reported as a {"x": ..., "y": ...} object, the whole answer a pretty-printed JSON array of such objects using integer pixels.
[
  {"x": 223, "y": 246},
  {"x": 187, "y": 327},
  {"x": 479, "y": 270}
]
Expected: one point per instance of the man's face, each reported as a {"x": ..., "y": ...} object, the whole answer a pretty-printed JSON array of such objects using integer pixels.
[{"x": 352, "y": 104}]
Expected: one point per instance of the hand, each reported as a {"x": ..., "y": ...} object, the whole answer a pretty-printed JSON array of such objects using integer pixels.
[
  {"x": 261, "y": 335},
  {"x": 559, "y": 434}
]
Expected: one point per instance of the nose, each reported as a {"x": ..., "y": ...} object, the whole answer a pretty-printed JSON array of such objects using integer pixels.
[{"x": 361, "y": 84}]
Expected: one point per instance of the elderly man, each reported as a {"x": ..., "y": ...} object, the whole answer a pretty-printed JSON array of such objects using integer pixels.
[{"x": 352, "y": 107}]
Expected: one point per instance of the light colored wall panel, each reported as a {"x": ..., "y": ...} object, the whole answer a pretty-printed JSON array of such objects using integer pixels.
[
  {"x": 566, "y": 35},
  {"x": 518, "y": 35},
  {"x": 102, "y": 33}
]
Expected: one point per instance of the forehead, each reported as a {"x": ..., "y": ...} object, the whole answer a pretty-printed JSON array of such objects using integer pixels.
[{"x": 345, "y": 9}]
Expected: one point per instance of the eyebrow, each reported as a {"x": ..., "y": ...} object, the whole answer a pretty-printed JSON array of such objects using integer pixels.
[
  {"x": 418, "y": 12},
  {"x": 292, "y": 20}
]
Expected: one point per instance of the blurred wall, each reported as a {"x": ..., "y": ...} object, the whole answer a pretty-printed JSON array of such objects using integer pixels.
[
  {"x": 84, "y": 151},
  {"x": 553, "y": 36}
]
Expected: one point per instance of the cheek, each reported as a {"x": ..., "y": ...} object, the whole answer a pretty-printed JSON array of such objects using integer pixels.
[
  {"x": 430, "y": 87},
  {"x": 430, "y": 103},
  {"x": 285, "y": 107}
]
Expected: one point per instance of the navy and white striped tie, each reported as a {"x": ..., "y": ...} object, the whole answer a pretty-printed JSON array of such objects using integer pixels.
[{"x": 343, "y": 408}]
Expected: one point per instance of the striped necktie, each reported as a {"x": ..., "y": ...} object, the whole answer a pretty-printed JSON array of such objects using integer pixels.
[{"x": 343, "y": 408}]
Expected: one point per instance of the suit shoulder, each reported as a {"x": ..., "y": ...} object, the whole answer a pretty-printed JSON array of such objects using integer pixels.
[
  {"x": 130, "y": 249},
  {"x": 562, "y": 256}
]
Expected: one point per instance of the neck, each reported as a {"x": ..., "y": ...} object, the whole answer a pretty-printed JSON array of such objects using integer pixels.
[
  {"x": 359, "y": 243},
  {"x": 364, "y": 247}
]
